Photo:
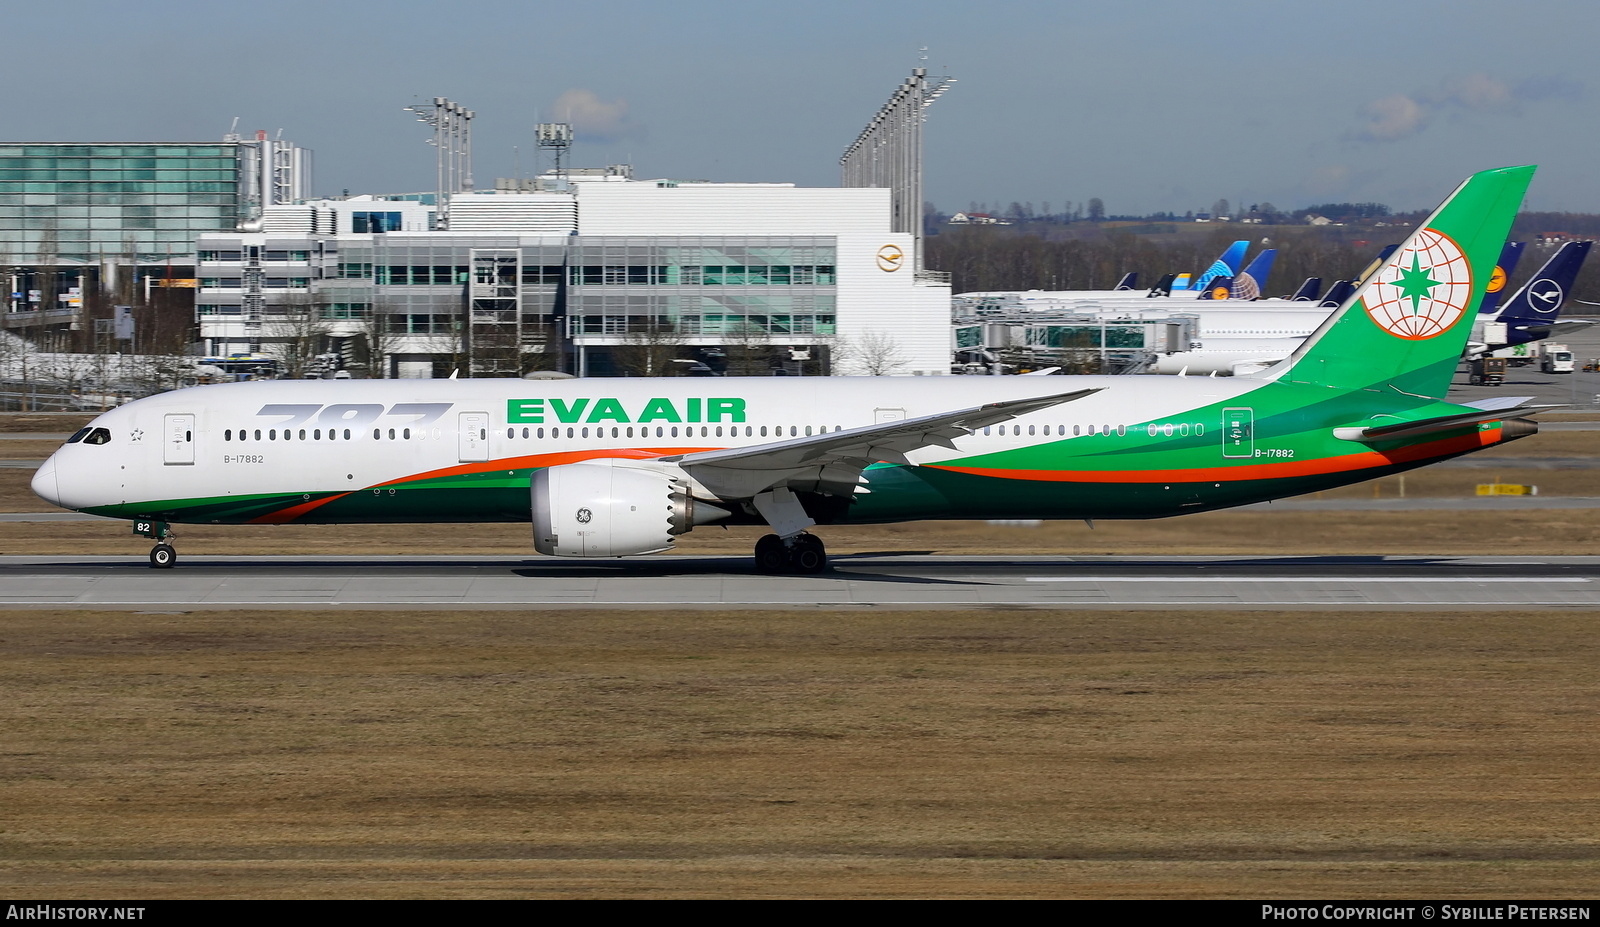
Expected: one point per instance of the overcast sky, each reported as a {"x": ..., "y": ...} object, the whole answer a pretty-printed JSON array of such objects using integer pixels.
[{"x": 1148, "y": 104}]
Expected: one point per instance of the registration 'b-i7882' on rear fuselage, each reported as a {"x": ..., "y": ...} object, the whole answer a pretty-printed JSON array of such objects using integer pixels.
[{"x": 607, "y": 468}]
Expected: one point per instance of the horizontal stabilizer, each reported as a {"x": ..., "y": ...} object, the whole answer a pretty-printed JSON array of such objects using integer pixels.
[
  {"x": 1427, "y": 426},
  {"x": 1500, "y": 403}
]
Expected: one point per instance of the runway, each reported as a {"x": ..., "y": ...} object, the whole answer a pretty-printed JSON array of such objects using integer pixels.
[{"x": 862, "y": 580}]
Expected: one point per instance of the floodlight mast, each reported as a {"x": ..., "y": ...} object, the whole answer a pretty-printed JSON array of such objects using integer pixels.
[
  {"x": 888, "y": 153},
  {"x": 452, "y": 139},
  {"x": 556, "y": 138}
]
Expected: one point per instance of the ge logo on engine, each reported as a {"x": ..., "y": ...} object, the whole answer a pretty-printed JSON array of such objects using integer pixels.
[{"x": 584, "y": 515}]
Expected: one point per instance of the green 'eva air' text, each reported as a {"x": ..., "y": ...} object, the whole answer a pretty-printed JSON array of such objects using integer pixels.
[{"x": 590, "y": 411}]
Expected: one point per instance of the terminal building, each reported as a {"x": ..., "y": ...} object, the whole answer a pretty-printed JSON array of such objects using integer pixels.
[
  {"x": 103, "y": 218},
  {"x": 596, "y": 274}
]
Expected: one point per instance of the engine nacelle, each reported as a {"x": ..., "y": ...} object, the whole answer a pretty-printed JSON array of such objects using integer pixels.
[{"x": 599, "y": 509}]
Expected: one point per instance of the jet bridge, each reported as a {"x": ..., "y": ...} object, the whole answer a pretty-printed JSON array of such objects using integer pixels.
[{"x": 1075, "y": 343}]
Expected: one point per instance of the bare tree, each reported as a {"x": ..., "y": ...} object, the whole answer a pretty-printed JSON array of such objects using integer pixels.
[
  {"x": 541, "y": 344},
  {"x": 376, "y": 339},
  {"x": 649, "y": 347},
  {"x": 872, "y": 353},
  {"x": 749, "y": 350},
  {"x": 295, "y": 333}
]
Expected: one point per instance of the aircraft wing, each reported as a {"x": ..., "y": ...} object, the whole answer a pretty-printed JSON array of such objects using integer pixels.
[
  {"x": 832, "y": 462},
  {"x": 1485, "y": 410}
]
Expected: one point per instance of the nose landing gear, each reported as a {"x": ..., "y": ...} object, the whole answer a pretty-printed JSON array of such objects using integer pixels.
[
  {"x": 802, "y": 553},
  {"x": 163, "y": 555}
]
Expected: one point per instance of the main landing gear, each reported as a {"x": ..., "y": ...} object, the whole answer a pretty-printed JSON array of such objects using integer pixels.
[
  {"x": 163, "y": 555},
  {"x": 802, "y": 553}
]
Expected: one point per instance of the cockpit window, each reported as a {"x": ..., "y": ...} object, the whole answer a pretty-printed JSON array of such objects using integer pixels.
[
  {"x": 97, "y": 436},
  {"x": 80, "y": 435}
]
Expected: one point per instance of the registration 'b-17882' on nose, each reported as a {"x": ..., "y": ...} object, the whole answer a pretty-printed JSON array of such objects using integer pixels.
[{"x": 611, "y": 468}]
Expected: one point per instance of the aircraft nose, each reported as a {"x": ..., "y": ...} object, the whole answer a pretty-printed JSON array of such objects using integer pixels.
[{"x": 44, "y": 483}]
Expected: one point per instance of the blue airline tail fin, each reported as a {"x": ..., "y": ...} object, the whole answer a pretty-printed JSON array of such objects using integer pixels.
[
  {"x": 1533, "y": 309},
  {"x": 1129, "y": 281},
  {"x": 1218, "y": 288},
  {"x": 1337, "y": 294},
  {"x": 1181, "y": 282},
  {"x": 1163, "y": 286},
  {"x": 1228, "y": 264},
  {"x": 1377, "y": 262},
  {"x": 1308, "y": 291},
  {"x": 1253, "y": 282},
  {"x": 1507, "y": 266}
]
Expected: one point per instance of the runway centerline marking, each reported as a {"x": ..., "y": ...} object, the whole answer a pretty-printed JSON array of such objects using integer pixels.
[{"x": 1306, "y": 579}]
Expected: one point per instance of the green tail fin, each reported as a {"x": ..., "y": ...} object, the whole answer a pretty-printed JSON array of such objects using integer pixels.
[{"x": 1408, "y": 323}]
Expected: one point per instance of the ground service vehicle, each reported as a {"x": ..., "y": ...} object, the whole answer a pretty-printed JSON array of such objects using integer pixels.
[
  {"x": 1555, "y": 358},
  {"x": 1486, "y": 371}
]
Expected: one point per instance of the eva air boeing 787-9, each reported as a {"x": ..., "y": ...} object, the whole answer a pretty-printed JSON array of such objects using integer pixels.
[{"x": 612, "y": 468}]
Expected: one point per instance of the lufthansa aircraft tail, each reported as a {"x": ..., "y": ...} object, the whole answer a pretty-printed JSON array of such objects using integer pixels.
[
  {"x": 1308, "y": 291},
  {"x": 1532, "y": 312},
  {"x": 1509, "y": 256}
]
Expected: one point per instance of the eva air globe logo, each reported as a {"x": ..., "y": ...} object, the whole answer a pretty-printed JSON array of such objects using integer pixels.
[{"x": 1423, "y": 289}]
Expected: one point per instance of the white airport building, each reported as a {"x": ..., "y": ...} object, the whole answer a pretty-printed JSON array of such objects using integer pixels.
[{"x": 586, "y": 278}]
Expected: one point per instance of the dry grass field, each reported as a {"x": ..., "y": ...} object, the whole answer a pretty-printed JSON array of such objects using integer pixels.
[{"x": 814, "y": 754}]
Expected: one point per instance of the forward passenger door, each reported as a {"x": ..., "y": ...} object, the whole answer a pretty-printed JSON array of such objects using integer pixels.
[{"x": 178, "y": 440}]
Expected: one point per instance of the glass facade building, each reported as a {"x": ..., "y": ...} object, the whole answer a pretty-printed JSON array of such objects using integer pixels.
[
  {"x": 137, "y": 202},
  {"x": 780, "y": 287},
  {"x": 81, "y": 203}
]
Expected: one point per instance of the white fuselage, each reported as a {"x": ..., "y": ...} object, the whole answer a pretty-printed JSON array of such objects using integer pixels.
[{"x": 237, "y": 441}]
